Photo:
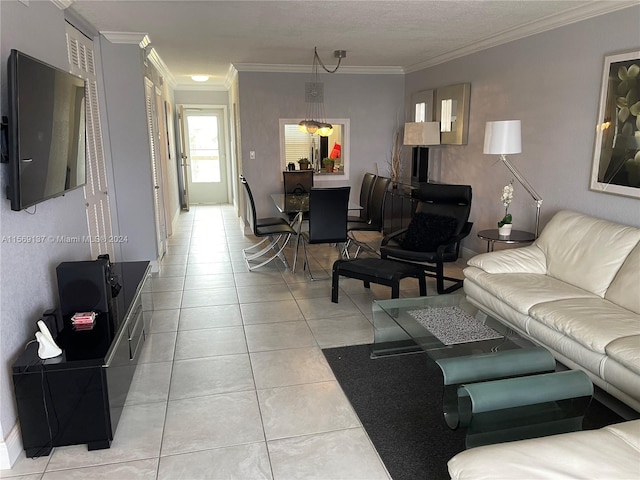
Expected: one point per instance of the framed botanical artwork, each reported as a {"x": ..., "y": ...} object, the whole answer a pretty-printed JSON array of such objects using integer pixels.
[{"x": 616, "y": 156}]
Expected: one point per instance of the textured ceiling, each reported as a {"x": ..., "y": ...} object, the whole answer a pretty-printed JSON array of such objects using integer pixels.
[{"x": 206, "y": 37}]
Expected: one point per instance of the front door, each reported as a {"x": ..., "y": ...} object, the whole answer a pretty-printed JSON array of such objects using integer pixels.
[{"x": 207, "y": 165}]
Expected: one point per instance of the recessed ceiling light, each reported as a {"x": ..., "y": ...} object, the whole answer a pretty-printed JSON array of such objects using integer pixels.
[{"x": 199, "y": 78}]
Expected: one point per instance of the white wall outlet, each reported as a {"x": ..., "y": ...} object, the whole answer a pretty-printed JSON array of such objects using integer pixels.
[{"x": 252, "y": 155}]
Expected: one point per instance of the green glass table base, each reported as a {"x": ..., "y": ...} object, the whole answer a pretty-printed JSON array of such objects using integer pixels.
[
  {"x": 487, "y": 366},
  {"x": 495, "y": 365},
  {"x": 523, "y": 407},
  {"x": 475, "y": 396}
]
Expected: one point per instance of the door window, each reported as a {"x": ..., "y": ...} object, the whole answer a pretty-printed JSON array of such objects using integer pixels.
[{"x": 204, "y": 148}]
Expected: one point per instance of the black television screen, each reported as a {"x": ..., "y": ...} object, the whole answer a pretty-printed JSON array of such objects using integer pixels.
[{"x": 47, "y": 154}]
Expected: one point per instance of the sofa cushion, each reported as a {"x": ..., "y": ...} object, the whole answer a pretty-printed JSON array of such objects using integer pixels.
[
  {"x": 626, "y": 351},
  {"x": 516, "y": 260},
  {"x": 592, "y": 322},
  {"x": 586, "y": 251},
  {"x": 625, "y": 288},
  {"x": 611, "y": 452},
  {"x": 521, "y": 291}
]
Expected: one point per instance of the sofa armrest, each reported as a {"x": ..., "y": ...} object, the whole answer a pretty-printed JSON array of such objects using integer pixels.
[{"x": 518, "y": 260}]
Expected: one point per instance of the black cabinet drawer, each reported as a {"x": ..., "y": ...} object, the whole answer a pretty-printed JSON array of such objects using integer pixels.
[{"x": 136, "y": 333}]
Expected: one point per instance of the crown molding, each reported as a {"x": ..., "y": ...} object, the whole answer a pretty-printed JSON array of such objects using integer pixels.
[
  {"x": 232, "y": 74},
  {"x": 136, "y": 38},
  {"x": 62, "y": 4},
  {"x": 344, "y": 69},
  {"x": 162, "y": 68},
  {"x": 576, "y": 14}
]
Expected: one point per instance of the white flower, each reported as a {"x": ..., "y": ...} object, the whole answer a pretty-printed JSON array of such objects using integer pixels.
[{"x": 507, "y": 194}]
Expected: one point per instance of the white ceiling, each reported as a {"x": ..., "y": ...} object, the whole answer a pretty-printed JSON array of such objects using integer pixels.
[{"x": 394, "y": 36}]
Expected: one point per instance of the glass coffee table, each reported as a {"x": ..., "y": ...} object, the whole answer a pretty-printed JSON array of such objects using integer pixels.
[{"x": 497, "y": 384}]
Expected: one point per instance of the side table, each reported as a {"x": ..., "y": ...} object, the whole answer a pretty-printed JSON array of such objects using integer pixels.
[{"x": 516, "y": 237}]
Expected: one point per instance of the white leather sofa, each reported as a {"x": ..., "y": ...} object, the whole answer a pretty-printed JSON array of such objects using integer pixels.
[
  {"x": 575, "y": 291},
  {"x": 611, "y": 453}
]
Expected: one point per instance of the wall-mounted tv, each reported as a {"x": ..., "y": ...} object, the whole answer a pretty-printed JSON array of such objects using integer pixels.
[{"x": 46, "y": 130}]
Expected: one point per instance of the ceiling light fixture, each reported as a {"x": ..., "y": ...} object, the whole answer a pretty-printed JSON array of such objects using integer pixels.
[
  {"x": 199, "y": 78},
  {"x": 315, "y": 121}
]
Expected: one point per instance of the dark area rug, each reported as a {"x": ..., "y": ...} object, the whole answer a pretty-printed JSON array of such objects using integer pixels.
[{"x": 399, "y": 402}]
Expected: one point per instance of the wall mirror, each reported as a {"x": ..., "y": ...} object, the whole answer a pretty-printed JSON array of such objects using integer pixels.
[
  {"x": 452, "y": 111},
  {"x": 295, "y": 145},
  {"x": 422, "y": 106}
]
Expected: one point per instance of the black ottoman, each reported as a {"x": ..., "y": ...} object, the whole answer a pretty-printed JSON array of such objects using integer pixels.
[{"x": 377, "y": 270}]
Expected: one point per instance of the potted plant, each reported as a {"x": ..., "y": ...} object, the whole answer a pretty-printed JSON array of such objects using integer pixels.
[
  {"x": 304, "y": 163},
  {"x": 328, "y": 164},
  {"x": 504, "y": 225}
]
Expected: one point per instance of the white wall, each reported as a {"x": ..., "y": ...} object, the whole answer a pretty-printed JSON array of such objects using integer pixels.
[
  {"x": 551, "y": 82},
  {"x": 28, "y": 284},
  {"x": 374, "y": 103}
]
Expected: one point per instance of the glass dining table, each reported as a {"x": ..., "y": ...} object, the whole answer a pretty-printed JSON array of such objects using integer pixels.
[{"x": 298, "y": 205}]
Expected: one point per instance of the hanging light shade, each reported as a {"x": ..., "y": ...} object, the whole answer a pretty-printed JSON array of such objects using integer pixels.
[
  {"x": 315, "y": 121},
  {"x": 325, "y": 130}
]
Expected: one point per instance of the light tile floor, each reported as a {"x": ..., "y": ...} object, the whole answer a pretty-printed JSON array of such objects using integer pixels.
[{"x": 232, "y": 382}]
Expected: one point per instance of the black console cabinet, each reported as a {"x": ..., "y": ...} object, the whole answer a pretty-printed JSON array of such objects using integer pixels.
[
  {"x": 399, "y": 205},
  {"x": 78, "y": 397}
]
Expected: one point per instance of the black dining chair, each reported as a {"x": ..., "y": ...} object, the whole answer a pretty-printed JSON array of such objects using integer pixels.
[
  {"x": 365, "y": 196},
  {"x": 275, "y": 232},
  {"x": 433, "y": 236},
  {"x": 297, "y": 183},
  {"x": 327, "y": 220},
  {"x": 376, "y": 214}
]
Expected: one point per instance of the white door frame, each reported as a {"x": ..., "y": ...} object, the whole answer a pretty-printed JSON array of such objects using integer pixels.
[{"x": 225, "y": 138}]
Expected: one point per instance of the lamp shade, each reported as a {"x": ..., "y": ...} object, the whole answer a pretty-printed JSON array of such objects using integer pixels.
[
  {"x": 502, "y": 138},
  {"x": 422, "y": 133}
]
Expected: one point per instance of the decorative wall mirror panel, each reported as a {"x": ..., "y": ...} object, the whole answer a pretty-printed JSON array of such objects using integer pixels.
[
  {"x": 452, "y": 111},
  {"x": 422, "y": 106}
]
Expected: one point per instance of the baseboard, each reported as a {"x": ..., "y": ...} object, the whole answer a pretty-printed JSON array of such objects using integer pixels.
[
  {"x": 10, "y": 448},
  {"x": 467, "y": 253},
  {"x": 155, "y": 266}
]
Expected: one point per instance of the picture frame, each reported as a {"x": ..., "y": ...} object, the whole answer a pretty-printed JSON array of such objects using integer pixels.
[{"x": 616, "y": 158}]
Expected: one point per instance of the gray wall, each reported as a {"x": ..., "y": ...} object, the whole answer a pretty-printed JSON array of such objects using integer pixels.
[
  {"x": 373, "y": 103},
  {"x": 201, "y": 97},
  {"x": 128, "y": 144},
  {"x": 551, "y": 82},
  {"x": 27, "y": 270}
]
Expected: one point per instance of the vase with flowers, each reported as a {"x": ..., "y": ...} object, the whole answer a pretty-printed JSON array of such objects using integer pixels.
[{"x": 504, "y": 225}]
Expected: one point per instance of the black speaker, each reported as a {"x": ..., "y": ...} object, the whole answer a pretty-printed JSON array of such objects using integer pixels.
[
  {"x": 84, "y": 286},
  {"x": 420, "y": 165}
]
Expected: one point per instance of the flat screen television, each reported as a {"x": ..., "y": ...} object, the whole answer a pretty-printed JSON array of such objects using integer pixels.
[{"x": 46, "y": 131}]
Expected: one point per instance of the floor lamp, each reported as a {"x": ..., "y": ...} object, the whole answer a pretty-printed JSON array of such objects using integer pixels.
[
  {"x": 503, "y": 138},
  {"x": 420, "y": 135}
]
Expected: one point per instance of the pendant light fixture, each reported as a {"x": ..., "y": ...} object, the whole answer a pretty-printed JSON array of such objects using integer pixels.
[{"x": 315, "y": 121}]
